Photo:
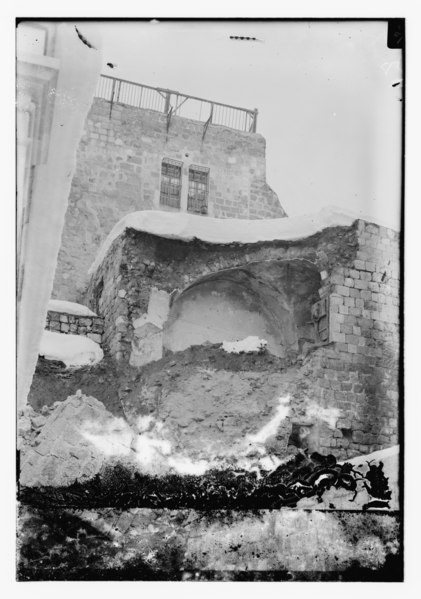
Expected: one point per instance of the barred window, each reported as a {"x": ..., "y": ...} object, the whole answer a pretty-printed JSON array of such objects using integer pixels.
[
  {"x": 170, "y": 183},
  {"x": 198, "y": 189}
]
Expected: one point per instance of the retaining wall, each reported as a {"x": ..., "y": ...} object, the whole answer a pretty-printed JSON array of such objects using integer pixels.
[{"x": 72, "y": 324}]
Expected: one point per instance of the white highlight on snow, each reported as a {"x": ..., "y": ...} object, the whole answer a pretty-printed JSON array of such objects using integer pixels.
[
  {"x": 154, "y": 451},
  {"x": 148, "y": 448},
  {"x": 270, "y": 428},
  {"x": 55, "y": 305},
  {"x": 270, "y": 462},
  {"x": 187, "y": 227},
  {"x": 113, "y": 439},
  {"x": 246, "y": 346},
  {"x": 328, "y": 415},
  {"x": 184, "y": 465},
  {"x": 144, "y": 423},
  {"x": 73, "y": 350}
]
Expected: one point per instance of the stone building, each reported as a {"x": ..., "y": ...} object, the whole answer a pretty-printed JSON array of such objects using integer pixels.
[{"x": 145, "y": 148}]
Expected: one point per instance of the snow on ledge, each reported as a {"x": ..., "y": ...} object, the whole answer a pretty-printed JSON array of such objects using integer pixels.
[
  {"x": 55, "y": 305},
  {"x": 187, "y": 227},
  {"x": 73, "y": 350},
  {"x": 381, "y": 454},
  {"x": 248, "y": 345}
]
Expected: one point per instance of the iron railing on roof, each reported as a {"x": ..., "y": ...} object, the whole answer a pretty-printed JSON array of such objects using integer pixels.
[{"x": 174, "y": 103}]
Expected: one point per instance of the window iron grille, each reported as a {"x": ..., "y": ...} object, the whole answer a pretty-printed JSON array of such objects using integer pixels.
[
  {"x": 170, "y": 192},
  {"x": 320, "y": 319},
  {"x": 197, "y": 200}
]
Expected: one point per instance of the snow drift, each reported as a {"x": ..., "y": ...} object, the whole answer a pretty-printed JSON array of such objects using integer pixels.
[
  {"x": 73, "y": 350},
  {"x": 55, "y": 305},
  {"x": 248, "y": 345}
]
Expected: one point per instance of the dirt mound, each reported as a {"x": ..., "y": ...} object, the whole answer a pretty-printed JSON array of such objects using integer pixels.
[
  {"x": 54, "y": 382},
  {"x": 209, "y": 402},
  {"x": 199, "y": 405},
  {"x": 109, "y": 381}
]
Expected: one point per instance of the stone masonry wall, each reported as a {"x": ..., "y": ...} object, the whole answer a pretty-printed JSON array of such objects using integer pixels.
[
  {"x": 359, "y": 373},
  {"x": 355, "y": 375},
  {"x": 118, "y": 171},
  {"x": 72, "y": 324}
]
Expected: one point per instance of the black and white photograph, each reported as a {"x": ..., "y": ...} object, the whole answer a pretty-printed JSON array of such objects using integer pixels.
[{"x": 209, "y": 219}]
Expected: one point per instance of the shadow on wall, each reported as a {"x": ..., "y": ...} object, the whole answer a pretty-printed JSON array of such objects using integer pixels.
[{"x": 270, "y": 299}]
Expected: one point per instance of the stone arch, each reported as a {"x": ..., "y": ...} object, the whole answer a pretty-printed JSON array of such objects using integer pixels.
[{"x": 270, "y": 299}]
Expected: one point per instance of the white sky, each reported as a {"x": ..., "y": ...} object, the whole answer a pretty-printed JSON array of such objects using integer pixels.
[{"x": 327, "y": 108}]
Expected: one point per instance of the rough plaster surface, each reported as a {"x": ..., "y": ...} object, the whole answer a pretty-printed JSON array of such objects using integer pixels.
[
  {"x": 267, "y": 299},
  {"x": 147, "y": 345},
  {"x": 215, "y": 312}
]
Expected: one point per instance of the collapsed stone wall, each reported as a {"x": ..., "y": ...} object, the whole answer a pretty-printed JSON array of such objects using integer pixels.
[
  {"x": 118, "y": 171},
  {"x": 139, "y": 267},
  {"x": 351, "y": 376},
  {"x": 75, "y": 324}
]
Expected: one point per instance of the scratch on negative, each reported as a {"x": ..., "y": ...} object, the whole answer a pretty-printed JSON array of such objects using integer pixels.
[{"x": 83, "y": 39}]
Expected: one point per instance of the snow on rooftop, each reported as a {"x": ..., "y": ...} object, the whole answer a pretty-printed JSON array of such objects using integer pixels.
[
  {"x": 186, "y": 227},
  {"x": 55, "y": 305},
  {"x": 73, "y": 350}
]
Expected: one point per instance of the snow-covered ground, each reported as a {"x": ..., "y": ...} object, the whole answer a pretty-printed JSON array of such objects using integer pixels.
[
  {"x": 55, "y": 305},
  {"x": 247, "y": 346},
  {"x": 187, "y": 227},
  {"x": 73, "y": 350}
]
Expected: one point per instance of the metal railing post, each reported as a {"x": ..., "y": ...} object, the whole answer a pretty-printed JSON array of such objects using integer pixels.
[
  {"x": 167, "y": 102},
  {"x": 229, "y": 116},
  {"x": 255, "y": 120}
]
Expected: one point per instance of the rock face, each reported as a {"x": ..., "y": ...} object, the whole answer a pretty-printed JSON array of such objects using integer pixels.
[{"x": 75, "y": 442}]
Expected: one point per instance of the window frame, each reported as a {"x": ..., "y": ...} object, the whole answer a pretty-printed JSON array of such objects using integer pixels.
[
  {"x": 167, "y": 197},
  {"x": 198, "y": 196}
]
